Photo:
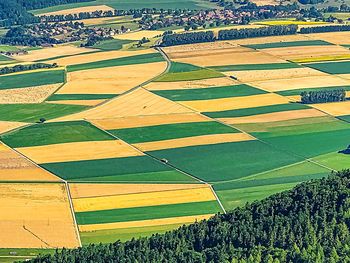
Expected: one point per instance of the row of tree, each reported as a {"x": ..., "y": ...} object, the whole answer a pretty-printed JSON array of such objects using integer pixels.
[
  {"x": 322, "y": 29},
  {"x": 322, "y": 96},
  {"x": 309, "y": 223},
  {"x": 208, "y": 36},
  {"x": 19, "y": 68}
]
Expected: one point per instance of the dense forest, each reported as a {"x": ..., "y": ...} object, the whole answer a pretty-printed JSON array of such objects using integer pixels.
[
  {"x": 20, "y": 68},
  {"x": 322, "y": 96},
  {"x": 208, "y": 36},
  {"x": 322, "y": 29},
  {"x": 309, "y": 223}
]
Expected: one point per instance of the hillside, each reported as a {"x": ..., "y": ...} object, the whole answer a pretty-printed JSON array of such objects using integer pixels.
[{"x": 309, "y": 223}]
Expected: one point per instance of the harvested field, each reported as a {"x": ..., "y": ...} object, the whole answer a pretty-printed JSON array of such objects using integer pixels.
[
  {"x": 290, "y": 44},
  {"x": 80, "y": 10},
  {"x": 14, "y": 167},
  {"x": 217, "y": 45},
  {"x": 193, "y": 141},
  {"x": 27, "y": 95},
  {"x": 52, "y": 52},
  {"x": 257, "y": 75},
  {"x": 138, "y": 102},
  {"x": 265, "y": 2},
  {"x": 236, "y": 102},
  {"x": 192, "y": 84},
  {"x": 339, "y": 38},
  {"x": 78, "y": 102},
  {"x": 98, "y": 56},
  {"x": 78, "y": 151},
  {"x": 301, "y": 83},
  {"x": 138, "y": 35},
  {"x": 304, "y": 52},
  {"x": 276, "y": 116},
  {"x": 286, "y": 21},
  {"x": 111, "y": 80},
  {"x": 42, "y": 209},
  {"x": 143, "y": 223},
  {"x": 243, "y": 67},
  {"x": 97, "y": 190},
  {"x": 334, "y": 108},
  {"x": 143, "y": 199},
  {"x": 6, "y": 126},
  {"x": 270, "y": 39},
  {"x": 151, "y": 120},
  {"x": 225, "y": 57}
]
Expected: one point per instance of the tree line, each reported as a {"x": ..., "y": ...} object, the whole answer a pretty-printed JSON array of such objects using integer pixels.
[
  {"x": 208, "y": 36},
  {"x": 309, "y": 223},
  {"x": 19, "y": 68},
  {"x": 322, "y": 29},
  {"x": 323, "y": 96}
]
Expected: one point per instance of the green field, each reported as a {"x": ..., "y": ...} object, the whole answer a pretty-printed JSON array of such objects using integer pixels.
[
  {"x": 33, "y": 112},
  {"x": 209, "y": 93},
  {"x": 177, "y": 67},
  {"x": 133, "y": 169},
  {"x": 54, "y": 133},
  {"x": 58, "y": 97},
  {"x": 334, "y": 160},
  {"x": 190, "y": 75},
  {"x": 5, "y": 60},
  {"x": 171, "y": 131},
  {"x": 135, "y": 4},
  {"x": 123, "y": 234},
  {"x": 113, "y": 44},
  {"x": 345, "y": 118},
  {"x": 290, "y": 44},
  {"x": 147, "y": 212},
  {"x": 132, "y": 60},
  {"x": 341, "y": 67},
  {"x": 31, "y": 79},
  {"x": 10, "y": 255},
  {"x": 256, "y": 110},
  {"x": 270, "y": 66},
  {"x": 298, "y": 91},
  {"x": 226, "y": 161}
]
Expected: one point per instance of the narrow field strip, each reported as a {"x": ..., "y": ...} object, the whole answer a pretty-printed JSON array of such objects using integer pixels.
[
  {"x": 342, "y": 67},
  {"x": 255, "y": 67},
  {"x": 147, "y": 212},
  {"x": 290, "y": 44},
  {"x": 334, "y": 108},
  {"x": 145, "y": 223},
  {"x": 150, "y": 120},
  {"x": 6, "y": 126},
  {"x": 143, "y": 199},
  {"x": 235, "y": 102},
  {"x": 78, "y": 151},
  {"x": 276, "y": 116},
  {"x": 193, "y": 141},
  {"x": 84, "y": 190},
  {"x": 87, "y": 103}
]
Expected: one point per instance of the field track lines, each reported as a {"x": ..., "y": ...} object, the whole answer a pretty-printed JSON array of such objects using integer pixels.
[
  {"x": 76, "y": 230},
  {"x": 36, "y": 236}
]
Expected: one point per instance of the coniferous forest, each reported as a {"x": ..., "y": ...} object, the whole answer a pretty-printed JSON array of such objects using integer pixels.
[{"x": 309, "y": 223}]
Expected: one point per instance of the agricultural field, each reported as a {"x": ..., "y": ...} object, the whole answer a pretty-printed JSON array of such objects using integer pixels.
[{"x": 120, "y": 142}]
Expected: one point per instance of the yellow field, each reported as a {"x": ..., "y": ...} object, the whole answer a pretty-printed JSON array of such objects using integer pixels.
[
  {"x": 111, "y": 80},
  {"x": 135, "y": 103},
  {"x": 104, "y": 55},
  {"x": 143, "y": 199},
  {"x": 193, "y": 141},
  {"x": 138, "y": 35},
  {"x": 6, "y": 126},
  {"x": 233, "y": 56},
  {"x": 304, "y": 52},
  {"x": 194, "y": 84},
  {"x": 334, "y": 108},
  {"x": 257, "y": 75},
  {"x": 83, "y": 190},
  {"x": 14, "y": 167},
  {"x": 50, "y": 52},
  {"x": 322, "y": 58},
  {"x": 79, "y": 102},
  {"x": 300, "y": 83},
  {"x": 145, "y": 223},
  {"x": 151, "y": 120},
  {"x": 288, "y": 22},
  {"x": 271, "y": 39},
  {"x": 27, "y": 95},
  {"x": 339, "y": 38},
  {"x": 37, "y": 216},
  {"x": 78, "y": 151},
  {"x": 80, "y": 10},
  {"x": 217, "y": 45},
  {"x": 275, "y": 116},
  {"x": 236, "y": 102}
]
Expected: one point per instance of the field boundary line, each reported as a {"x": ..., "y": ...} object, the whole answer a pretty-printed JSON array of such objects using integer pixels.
[
  {"x": 217, "y": 198},
  {"x": 73, "y": 213}
]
